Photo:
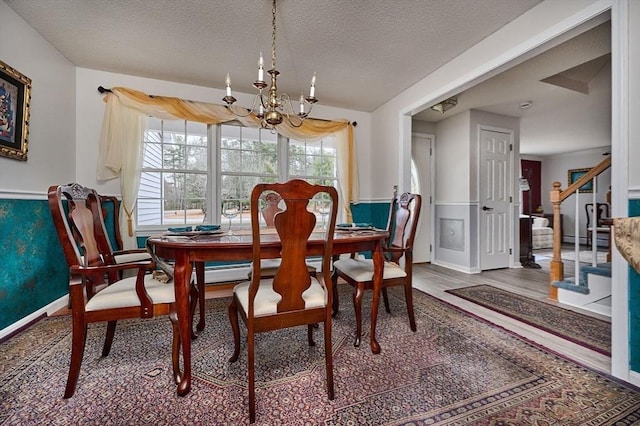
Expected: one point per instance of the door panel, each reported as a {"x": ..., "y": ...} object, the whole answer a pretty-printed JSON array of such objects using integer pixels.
[
  {"x": 421, "y": 151},
  {"x": 495, "y": 184}
]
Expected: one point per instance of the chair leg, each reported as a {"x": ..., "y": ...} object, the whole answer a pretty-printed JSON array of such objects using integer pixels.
[
  {"x": 175, "y": 348},
  {"x": 251, "y": 377},
  {"x": 358, "y": 292},
  {"x": 233, "y": 319},
  {"x": 385, "y": 297},
  {"x": 77, "y": 352},
  {"x": 108, "y": 339},
  {"x": 310, "y": 328},
  {"x": 408, "y": 296},
  {"x": 328, "y": 357},
  {"x": 336, "y": 302}
]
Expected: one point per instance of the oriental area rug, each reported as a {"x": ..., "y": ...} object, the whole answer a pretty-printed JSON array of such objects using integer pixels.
[
  {"x": 456, "y": 369},
  {"x": 590, "y": 332}
]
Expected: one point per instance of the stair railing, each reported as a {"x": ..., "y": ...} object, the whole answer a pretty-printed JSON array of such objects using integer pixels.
[{"x": 557, "y": 196}]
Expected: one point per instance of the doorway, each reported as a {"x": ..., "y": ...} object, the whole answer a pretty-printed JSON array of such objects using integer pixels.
[{"x": 421, "y": 153}]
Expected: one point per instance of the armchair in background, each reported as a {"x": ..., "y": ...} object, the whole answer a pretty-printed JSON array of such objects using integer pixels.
[{"x": 541, "y": 233}]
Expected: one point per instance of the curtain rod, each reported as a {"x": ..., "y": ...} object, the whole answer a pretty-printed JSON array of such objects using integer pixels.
[{"x": 103, "y": 90}]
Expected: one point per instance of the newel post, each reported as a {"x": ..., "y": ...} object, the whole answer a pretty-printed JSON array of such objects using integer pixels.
[{"x": 557, "y": 267}]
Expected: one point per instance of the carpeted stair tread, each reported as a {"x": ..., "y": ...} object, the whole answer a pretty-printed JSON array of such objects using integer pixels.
[{"x": 569, "y": 284}]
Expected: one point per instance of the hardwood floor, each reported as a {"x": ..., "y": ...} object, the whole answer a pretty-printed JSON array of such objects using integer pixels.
[{"x": 533, "y": 283}]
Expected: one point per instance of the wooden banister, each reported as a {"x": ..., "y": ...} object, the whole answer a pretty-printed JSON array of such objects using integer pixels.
[
  {"x": 557, "y": 196},
  {"x": 586, "y": 178}
]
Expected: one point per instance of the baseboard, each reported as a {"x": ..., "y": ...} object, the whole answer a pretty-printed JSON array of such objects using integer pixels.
[
  {"x": 455, "y": 267},
  {"x": 25, "y": 322}
]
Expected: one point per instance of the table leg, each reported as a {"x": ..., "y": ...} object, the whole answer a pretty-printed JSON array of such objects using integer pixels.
[
  {"x": 378, "y": 264},
  {"x": 200, "y": 284},
  {"x": 182, "y": 277}
]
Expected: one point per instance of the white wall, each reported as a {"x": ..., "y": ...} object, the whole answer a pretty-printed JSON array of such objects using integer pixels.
[
  {"x": 539, "y": 25},
  {"x": 452, "y": 159},
  {"x": 634, "y": 96},
  {"x": 51, "y": 143},
  {"x": 90, "y": 111}
]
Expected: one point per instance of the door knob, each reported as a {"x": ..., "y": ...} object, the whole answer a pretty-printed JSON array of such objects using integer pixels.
[{"x": 485, "y": 208}]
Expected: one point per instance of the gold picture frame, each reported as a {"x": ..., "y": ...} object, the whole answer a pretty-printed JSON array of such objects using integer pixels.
[
  {"x": 15, "y": 99},
  {"x": 575, "y": 174}
]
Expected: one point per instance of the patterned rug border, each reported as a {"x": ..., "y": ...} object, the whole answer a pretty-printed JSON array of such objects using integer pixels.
[
  {"x": 529, "y": 341},
  {"x": 603, "y": 348}
]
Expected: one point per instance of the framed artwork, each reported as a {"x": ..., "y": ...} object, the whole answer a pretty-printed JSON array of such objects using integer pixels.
[
  {"x": 15, "y": 97},
  {"x": 575, "y": 174}
]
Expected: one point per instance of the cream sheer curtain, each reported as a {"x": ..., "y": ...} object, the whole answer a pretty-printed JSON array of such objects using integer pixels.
[{"x": 120, "y": 150}]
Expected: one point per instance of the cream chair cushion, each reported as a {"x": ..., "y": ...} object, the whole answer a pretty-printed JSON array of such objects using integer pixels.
[
  {"x": 266, "y": 301},
  {"x": 123, "y": 294},
  {"x": 362, "y": 269}
]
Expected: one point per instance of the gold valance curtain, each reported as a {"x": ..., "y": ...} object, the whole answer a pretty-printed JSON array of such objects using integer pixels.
[{"x": 123, "y": 126}]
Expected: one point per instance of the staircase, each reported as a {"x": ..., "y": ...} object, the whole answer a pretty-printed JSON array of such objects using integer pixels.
[{"x": 592, "y": 291}]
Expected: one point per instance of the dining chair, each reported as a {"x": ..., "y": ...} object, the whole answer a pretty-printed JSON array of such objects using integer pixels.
[
  {"x": 398, "y": 266},
  {"x": 269, "y": 207},
  {"x": 594, "y": 220},
  {"x": 97, "y": 292},
  {"x": 292, "y": 297}
]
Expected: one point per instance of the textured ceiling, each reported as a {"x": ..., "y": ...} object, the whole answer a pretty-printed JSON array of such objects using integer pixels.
[{"x": 364, "y": 51}]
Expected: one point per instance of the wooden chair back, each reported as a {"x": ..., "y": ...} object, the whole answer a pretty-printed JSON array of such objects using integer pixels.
[
  {"x": 402, "y": 226},
  {"x": 601, "y": 212},
  {"x": 77, "y": 216}
]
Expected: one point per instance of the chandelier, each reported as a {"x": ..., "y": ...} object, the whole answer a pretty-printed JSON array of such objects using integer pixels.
[{"x": 270, "y": 107}]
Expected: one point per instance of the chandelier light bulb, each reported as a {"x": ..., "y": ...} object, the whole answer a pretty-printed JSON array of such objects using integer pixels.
[{"x": 261, "y": 68}]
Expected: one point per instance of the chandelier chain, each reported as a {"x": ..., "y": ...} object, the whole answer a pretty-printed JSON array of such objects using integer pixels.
[{"x": 273, "y": 36}]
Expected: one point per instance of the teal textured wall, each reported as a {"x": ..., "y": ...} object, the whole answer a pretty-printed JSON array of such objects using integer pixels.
[
  {"x": 34, "y": 271},
  {"x": 634, "y": 306},
  {"x": 374, "y": 213}
]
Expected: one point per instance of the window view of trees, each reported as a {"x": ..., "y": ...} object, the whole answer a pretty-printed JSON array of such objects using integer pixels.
[
  {"x": 173, "y": 184},
  {"x": 180, "y": 161}
]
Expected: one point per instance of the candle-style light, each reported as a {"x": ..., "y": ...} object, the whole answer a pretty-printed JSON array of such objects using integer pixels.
[{"x": 270, "y": 107}]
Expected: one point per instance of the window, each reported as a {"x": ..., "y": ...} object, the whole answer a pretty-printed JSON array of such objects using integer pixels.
[
  {"x": 174, "y": 174},
  {"x": 193, "y": 172}
]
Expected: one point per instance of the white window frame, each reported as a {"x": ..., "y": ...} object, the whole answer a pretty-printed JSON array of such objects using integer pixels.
[{"x": 214, "y": 176}]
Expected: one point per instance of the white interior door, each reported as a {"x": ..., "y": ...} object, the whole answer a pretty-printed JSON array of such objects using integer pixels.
[
  {"x": 421, "y": 152},
  {"x": 494, "y": 190}
]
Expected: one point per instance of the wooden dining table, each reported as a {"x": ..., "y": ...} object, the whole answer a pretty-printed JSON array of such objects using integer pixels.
[{"x": 197, "y": 248}]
